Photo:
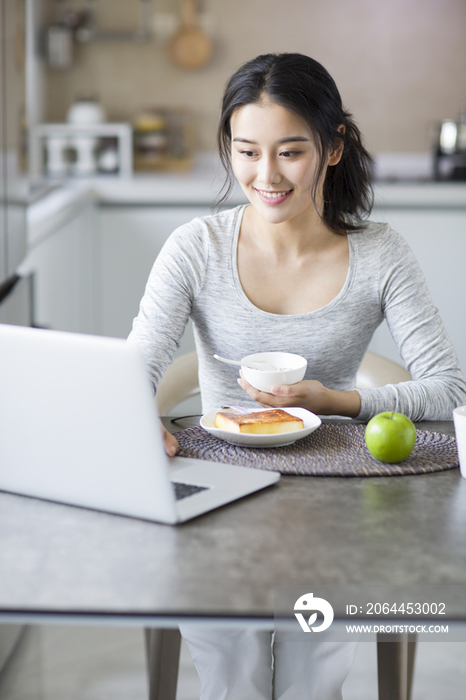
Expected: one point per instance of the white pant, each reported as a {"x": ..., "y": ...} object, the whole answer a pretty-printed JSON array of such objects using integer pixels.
[{"x": 246, "y": 664}]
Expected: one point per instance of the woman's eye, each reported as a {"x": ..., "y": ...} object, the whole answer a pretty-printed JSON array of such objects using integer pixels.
[
  {"x": 248, "y": 153},
  {"x": 290, "y": 154}
]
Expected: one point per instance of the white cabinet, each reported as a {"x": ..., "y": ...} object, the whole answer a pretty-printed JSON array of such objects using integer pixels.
[
  {"x": 437, "y": 237},
  {"x": 62, "y": 261},
  {"x": 130, "y": 238}
]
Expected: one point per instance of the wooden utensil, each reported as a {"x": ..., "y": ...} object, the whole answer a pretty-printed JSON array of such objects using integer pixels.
[{"x": 190, "y": 47}]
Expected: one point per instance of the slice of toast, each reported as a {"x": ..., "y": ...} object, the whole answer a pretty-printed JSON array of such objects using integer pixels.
[{"x": 259, "y": 422}]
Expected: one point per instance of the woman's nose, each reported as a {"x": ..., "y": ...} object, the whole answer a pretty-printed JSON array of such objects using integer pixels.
[{"x": 268, "y": 171}]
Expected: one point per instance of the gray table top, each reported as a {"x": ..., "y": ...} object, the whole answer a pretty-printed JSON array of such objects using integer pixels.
[{"x": 61, "y": 560}]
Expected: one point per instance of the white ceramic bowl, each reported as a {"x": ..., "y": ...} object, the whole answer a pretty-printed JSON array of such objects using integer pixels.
[{"x": 293, "y": 368}]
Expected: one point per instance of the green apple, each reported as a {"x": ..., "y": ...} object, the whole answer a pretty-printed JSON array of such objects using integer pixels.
[{"x": 390, "y": 436}]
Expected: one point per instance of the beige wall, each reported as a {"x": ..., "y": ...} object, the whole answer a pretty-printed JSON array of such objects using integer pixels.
[{"x": 400, "y": 65}]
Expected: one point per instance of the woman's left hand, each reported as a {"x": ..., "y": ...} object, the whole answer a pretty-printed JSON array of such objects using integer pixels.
[{"x": 310, "y": 394}]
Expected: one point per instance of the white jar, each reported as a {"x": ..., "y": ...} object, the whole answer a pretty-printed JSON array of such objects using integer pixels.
[
  {"x": 57, "y": 164},
  {"x": 85, "y": 147},
  {"x": 86, "y": 112},
  {"x": 108, "y": 160}
]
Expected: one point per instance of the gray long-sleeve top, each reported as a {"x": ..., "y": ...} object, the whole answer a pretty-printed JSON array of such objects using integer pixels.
[{"x": 196, "y": 276}]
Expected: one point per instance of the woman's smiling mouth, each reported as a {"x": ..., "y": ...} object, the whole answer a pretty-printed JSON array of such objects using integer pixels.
[{"x": 273, "y": 197}]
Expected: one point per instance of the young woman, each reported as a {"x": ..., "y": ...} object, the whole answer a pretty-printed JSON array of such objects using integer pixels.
[{"x": 297, "y": 270}]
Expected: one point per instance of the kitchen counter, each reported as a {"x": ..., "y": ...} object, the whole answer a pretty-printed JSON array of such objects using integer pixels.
[
  {"x": 200, "y": 186},
  {"x": 196, "y": 187},
  {"x": 48, "y": 213},
  {"x": 420, "y": 195}
]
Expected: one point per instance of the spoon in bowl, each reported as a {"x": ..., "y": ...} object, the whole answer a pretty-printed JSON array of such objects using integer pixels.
[{"x": 264, "y": 366}]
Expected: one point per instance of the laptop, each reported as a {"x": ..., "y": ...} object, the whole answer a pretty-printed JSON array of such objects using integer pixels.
[{"x": 79, "y": 425}]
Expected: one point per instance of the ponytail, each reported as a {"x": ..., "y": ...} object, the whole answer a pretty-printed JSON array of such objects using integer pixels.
[{"x": 348, "y": 194}]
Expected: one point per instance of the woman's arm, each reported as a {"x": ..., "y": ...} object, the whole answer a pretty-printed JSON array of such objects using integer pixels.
[
  {"x": 166, "y": 305},
  {"x": 438, "y": 384}
]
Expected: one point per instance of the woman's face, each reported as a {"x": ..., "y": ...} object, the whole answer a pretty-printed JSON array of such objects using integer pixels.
[{"x": 275, "y": 160}]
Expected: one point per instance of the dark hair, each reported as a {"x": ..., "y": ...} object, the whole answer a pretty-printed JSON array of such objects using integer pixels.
[{"x": 304, "y": 87}]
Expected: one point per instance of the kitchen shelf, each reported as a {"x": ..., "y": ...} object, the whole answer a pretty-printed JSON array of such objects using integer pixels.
[{"x": 119, "y": 133}]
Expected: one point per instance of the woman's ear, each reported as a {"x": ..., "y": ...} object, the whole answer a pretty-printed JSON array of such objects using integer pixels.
[{"x": 336, "y": 153}]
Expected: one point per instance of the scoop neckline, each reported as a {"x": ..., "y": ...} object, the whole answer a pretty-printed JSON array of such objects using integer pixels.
[{"x": 317, "y": 312}]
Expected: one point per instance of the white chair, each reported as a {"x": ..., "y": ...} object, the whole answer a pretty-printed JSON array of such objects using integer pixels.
[
  {"x": 179, "y": 382},
  {"x": 376, "y": 370},
  {"x": 395, "y": 660}
]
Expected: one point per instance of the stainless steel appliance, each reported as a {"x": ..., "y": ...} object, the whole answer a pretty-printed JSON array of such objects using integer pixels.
[
  {"x": 450, "y": 150},
  {"x": 15, "y": 189}
]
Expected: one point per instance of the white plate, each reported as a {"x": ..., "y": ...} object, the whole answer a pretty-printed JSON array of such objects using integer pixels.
[{"x": 310, "y": 420}]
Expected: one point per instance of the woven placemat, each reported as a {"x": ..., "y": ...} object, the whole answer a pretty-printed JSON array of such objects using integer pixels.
[{"x": 334, "y": 449}]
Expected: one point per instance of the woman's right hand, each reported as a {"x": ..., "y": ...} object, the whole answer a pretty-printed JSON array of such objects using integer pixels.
[{"x": 170, "y": 441}]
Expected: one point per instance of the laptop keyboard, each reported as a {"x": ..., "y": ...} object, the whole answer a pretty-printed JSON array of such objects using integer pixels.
[{"x": 185, "y": 490}]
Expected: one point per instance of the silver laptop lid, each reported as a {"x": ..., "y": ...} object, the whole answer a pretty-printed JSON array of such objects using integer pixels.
[{"x": 78, "y": 424}]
